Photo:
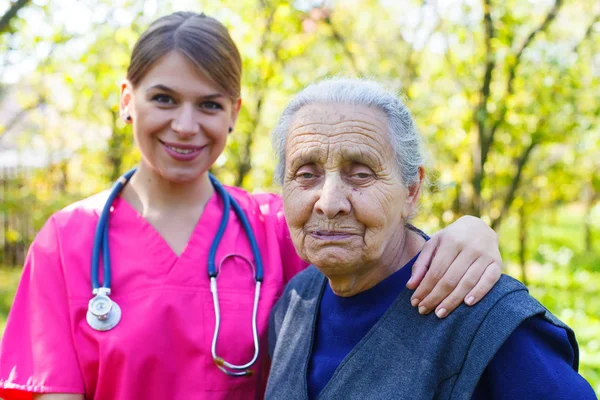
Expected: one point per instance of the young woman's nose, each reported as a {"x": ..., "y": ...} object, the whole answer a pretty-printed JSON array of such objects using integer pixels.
[{"x": 186, "y": 121}]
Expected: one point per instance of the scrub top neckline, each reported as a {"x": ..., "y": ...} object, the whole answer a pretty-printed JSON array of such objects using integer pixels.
[{"x": 155, "y": 237}]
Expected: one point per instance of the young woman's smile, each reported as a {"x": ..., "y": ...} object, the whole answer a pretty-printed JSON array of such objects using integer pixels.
[{"x": 182, "y": 152}]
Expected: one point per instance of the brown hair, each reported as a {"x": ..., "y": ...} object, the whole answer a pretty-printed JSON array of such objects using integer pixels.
[{"x": 202, "y": 39}]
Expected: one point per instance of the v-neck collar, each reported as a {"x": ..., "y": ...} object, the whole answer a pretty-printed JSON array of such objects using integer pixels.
[
  {"x": 154, "y": 245},
  {"x": 371, "y": 335}
]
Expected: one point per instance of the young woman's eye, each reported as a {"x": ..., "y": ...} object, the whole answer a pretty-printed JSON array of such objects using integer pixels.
[{"x": 163, "y": 99}]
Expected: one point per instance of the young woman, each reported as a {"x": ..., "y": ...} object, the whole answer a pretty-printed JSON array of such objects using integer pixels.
[{"x": 157, "y": 327}]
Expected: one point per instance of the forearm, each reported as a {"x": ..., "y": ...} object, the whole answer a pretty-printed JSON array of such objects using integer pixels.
[{"x": 58, "y": 396}]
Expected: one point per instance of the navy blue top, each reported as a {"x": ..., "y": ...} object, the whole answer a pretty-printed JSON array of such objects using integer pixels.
[{"x": 535, "y": 362}]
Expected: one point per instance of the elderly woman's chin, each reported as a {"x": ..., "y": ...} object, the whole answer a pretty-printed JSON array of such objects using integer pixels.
[{"x": 335, "y": 259}]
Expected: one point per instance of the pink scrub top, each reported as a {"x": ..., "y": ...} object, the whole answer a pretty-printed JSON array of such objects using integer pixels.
[{"x": 161, "y": 349}]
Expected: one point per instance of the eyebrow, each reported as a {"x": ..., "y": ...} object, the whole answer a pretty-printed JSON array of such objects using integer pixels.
[
  {"x": 373, "y": 159},
  {"x": 313, "y": 155},
  {"x": 169, "y": 90}
]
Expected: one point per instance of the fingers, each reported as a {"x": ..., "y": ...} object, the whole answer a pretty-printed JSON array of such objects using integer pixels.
[
  {"x": 442, "y": 259},
  {"x": 492, "y": 274},
  {"x": 419, "y": 268},
  {"x": 450, "y": 279},
  {"x": 467, "y": 283}
]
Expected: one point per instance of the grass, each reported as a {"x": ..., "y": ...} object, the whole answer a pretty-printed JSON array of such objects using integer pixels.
[{"x": 9, "y": 278}]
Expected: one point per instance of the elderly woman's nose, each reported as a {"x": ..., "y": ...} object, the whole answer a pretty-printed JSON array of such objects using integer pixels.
[
  {"x": 185, "y": 122},
  {"x": 333, "y": 198}
]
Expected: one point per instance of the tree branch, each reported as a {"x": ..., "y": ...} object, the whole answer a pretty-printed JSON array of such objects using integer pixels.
[
  {"x": 588, "y": 32},
  {"x": 490, "y": 64},
  {"x": 411, "y": 63},
  {"x": 448, "y": 53},
  {"x": 512, "y": 71},
  {"x": 481, "y": 114},
  {"x": 510, "y": 195},
  {"x": 10, "y": 14},
  {"x": 246, "y": 159},
  {"x": 342, "y": 41},
  {"x": 19, "y": 116}
]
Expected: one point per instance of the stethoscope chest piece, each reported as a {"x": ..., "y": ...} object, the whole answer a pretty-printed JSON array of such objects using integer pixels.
[{"x": 103, "y": 314}]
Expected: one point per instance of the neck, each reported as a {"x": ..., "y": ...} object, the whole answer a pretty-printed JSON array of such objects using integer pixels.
[
  {"x": 401, "y": 250},
  {"x": 149, "y": 191}
]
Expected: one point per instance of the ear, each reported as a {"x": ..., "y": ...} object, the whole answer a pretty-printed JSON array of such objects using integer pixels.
[
  {"x": 235, "y": 111},
  {"x": 414, "y": 193},
  {"x": 126, "y": 101}
]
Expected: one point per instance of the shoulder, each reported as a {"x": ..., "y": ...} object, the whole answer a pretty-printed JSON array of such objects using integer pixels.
[
  {"x": 303, "y": 285},
  {"x": 300, "y": 292},
  {"x": 505, "y": 285},
  {"x": 80, "y": 212},
  {"x": 73, "y": 218},
  {"x": 267, "y": 204},
  {"x": 508, "y": 295},
  {"x": 510, "y": 300},
  {"x": 491, "y": 323},
  {"x": 499, "y": 313},
  {"x": 538, "y": 360},
  {"x": 304, "y": 280}
]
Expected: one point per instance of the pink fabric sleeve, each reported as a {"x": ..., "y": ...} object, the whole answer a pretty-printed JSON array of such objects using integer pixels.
[
  {"x": 37, "y": 353},
  {"x": 272, "y": 205}
]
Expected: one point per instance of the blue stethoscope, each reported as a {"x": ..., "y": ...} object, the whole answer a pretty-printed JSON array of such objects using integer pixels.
[{"x": 104, "y": 314}]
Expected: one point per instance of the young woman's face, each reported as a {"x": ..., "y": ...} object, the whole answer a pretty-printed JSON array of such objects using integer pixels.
[{"x": 180, "y": 118}]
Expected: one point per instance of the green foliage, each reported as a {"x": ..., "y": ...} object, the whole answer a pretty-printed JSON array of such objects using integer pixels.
[{"x": 521, "y": 150}]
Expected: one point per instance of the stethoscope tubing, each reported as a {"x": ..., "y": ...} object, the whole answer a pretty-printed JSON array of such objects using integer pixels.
[
  {"x": 229, "y": 202},
  {"x": 101, "y": 237},
  {"x": 101, "y": 244},
  {"x": 220, "y": 362}
]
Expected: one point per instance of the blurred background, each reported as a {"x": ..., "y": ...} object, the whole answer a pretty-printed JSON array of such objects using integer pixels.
[{"x": 507, "y": 94}]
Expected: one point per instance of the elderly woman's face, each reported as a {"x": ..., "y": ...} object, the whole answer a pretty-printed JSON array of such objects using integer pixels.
[{"x": 345, "y": 202}]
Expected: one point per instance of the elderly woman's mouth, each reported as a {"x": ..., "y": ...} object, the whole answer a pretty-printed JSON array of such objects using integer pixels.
[{"x": 331, "y": 235}]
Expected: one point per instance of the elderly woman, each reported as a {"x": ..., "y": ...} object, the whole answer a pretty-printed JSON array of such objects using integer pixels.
[{"x": 352, "y": 172}]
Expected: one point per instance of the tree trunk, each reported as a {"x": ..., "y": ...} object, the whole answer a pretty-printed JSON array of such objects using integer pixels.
[
  {"x": 115, "y": 149},
  {"x": 593, "y": 197},
  {"x": 10, "y": 14},
  {"x": 523, "y": 243}
]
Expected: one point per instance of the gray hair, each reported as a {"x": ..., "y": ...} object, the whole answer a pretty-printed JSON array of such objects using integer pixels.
[{"x": 405, "y": 139}]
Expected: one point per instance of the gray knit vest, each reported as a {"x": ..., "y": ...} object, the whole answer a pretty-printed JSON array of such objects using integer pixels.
[{"x": 405, "y": 355}]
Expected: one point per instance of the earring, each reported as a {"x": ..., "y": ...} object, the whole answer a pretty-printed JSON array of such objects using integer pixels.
[
  {"x": 128, "y": 118},
  {"x": 230, "y": 129}
]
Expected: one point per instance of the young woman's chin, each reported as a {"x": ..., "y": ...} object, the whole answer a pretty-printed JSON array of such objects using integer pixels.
[{"x": 182, "y": 175}]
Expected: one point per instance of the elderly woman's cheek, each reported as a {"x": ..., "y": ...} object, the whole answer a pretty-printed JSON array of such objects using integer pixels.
[{"x": 295, "y": 204}]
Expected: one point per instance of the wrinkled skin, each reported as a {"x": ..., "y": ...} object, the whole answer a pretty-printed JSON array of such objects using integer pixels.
[{"x": 345, "y": 202}]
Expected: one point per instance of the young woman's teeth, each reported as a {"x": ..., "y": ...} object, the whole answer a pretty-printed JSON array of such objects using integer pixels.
[{"x": 181, "y": 151}]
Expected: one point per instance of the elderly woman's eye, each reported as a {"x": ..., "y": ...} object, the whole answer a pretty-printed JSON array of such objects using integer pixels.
[
  {"x": 305, "y": 175},
  {"x": 362, "y": 175}
]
